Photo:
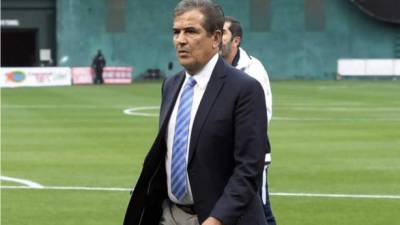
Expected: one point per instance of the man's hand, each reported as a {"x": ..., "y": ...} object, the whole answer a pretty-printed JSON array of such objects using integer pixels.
[{"x": 212, "y": 221}]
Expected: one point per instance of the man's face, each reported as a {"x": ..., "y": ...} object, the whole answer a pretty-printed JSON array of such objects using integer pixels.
[
  {"x": 226, "y": 40},
  {"x": 194, "y": 46}
]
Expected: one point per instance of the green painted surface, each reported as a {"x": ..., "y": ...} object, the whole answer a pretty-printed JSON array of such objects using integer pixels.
[
  {"x": 327, "y": 137},
  {"x": 287, "y": 49}
]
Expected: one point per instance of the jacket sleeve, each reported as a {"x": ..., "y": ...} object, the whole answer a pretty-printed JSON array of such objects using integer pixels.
[{"x": 250, "y": 146}]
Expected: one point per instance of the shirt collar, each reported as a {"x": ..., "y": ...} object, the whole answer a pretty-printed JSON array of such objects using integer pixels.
[
  {"x": 204, "y": 75},
  {"x": 236, "y": 59},
  {"x": 244, "y": 60}
]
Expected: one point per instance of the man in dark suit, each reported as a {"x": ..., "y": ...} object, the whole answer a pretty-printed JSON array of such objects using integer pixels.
[{"x": 205, "y": 165}]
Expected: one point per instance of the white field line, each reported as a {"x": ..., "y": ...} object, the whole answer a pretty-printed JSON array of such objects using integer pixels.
[
  {"x": 340, "y": 108},
  {"x": 294, "y": 106},
  {"x": 285, "y": 194},
  {"x": 136, "y": 111},
  {"x": 62, "y": 106},
  {"x": 334, "y": 119},
  {"x": 28, "y": 183},
  {"x": 323, "y": 195},
  {"x": 68, "y": 188}
]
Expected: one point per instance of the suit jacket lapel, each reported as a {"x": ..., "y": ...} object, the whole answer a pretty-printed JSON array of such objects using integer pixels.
[
  {"x": 170, "y": 99},
  {"x": 213, "y": 88}
]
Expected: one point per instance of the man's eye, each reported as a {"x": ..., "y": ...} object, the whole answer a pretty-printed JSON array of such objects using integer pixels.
[{"x": 176, "y": 31}]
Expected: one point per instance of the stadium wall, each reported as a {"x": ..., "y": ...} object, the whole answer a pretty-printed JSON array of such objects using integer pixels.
[{"x": 294, "y": 39}]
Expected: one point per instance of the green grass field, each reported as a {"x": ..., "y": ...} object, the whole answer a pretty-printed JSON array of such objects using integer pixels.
[{"x": 328, "y": 137}]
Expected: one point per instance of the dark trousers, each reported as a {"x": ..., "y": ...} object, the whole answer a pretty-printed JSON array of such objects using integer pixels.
[
  {"x": 98, "y": 79},
  {"x": 267, "y": 205}
]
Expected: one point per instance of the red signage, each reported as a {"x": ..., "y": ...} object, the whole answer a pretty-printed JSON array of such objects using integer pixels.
[{"x": 111, "y": 75}]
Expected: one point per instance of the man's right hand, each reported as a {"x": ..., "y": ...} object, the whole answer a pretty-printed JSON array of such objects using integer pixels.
[{"x": 212, "y": 221}]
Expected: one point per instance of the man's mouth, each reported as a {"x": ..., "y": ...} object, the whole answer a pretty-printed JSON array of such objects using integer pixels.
[{"x": 183, "y": 52}]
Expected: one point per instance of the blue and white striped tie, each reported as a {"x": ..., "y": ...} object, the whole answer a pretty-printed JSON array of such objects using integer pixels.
[{"x": 179, "y": 148}]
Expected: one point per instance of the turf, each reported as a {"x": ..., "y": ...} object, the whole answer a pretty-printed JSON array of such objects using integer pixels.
[{"x": 327, "y": 137}]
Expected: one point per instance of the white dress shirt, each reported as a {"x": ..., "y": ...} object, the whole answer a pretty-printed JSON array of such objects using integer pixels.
[{"x": 202, "y": 79}]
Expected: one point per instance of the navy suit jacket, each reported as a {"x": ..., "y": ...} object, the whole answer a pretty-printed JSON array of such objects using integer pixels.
[{"x": 226, "y": 153}]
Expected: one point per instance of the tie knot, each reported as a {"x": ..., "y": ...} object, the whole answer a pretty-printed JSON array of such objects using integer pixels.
[{"x": 191, "y": 82}]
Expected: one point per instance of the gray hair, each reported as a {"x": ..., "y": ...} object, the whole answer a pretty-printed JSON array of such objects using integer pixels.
[{"x": 213, "y": 13}]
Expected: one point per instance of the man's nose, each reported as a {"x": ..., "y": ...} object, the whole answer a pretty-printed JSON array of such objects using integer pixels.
[{"x": 180, "y": 38}]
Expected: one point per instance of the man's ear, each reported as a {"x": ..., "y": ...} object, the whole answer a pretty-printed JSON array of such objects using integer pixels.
[
  {"x": 217, "y": 39},
  {"x": 236, "y": 41}
]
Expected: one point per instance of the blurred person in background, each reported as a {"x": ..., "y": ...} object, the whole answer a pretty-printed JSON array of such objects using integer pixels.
[
  {"x": 240, "y": 59},
  {"x": 98, "y": 64},
  {"x": 206, "y": 163}
]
